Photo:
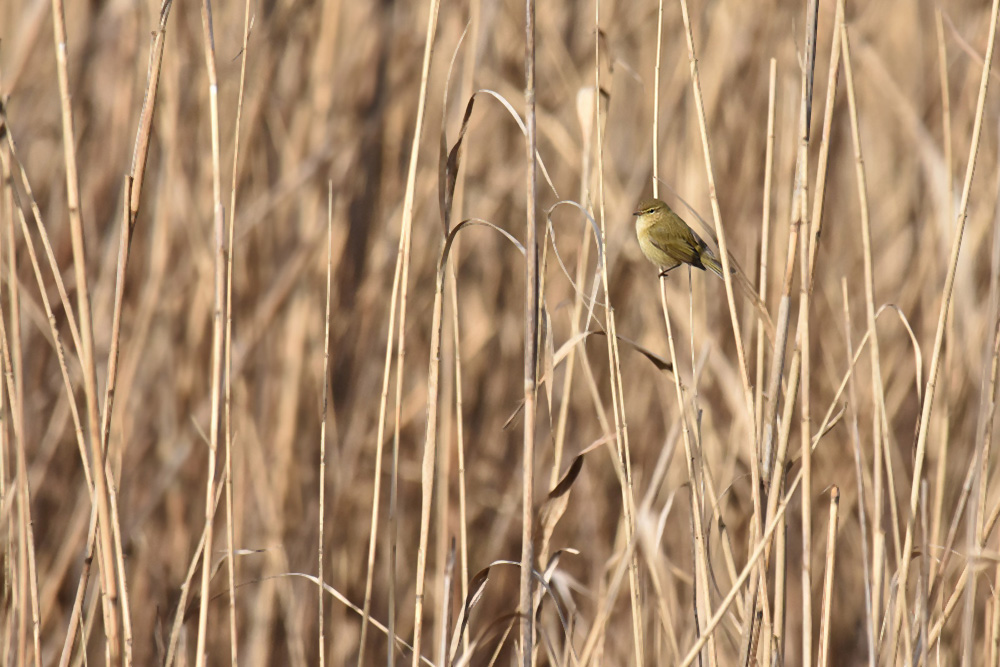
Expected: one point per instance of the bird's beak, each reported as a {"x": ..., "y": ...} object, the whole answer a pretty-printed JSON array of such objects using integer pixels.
[{"x": 636, "y": 212}]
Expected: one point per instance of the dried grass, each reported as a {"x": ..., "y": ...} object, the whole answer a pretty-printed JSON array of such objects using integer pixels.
[{"x": 835, "y": 502}]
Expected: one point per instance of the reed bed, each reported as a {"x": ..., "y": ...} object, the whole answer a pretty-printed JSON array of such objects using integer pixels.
[{"x": 326, "y": 338}]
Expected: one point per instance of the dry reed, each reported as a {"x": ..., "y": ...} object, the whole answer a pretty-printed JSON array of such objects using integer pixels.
[{"x": 840, "y": 484}]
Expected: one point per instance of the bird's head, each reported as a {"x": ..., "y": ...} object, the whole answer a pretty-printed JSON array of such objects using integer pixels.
[{"x": 651, "y": 205}]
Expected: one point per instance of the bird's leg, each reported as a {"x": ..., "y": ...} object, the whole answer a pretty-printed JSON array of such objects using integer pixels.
[{"x": 664, "y": 272}]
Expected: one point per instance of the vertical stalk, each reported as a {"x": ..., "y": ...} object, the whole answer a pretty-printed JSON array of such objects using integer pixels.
[
  {"x": 430, "y": 436},
  {"x": 218, "y": 328},
  {"x": 531, "y": 302},
  {"x": 831, "y": 552},
  {"x": 109, "y": 584},
  {"x": 322, "y": 429}
]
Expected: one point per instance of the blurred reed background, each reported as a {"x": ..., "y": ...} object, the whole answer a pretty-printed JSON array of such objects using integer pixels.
[{"x": 658, "y": 523}]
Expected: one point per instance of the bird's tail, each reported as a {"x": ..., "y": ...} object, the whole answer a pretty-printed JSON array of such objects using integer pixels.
[{"x": 712, "y": 263}]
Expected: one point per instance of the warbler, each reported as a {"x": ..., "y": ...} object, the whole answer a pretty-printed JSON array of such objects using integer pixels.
[{"x": 667, "y": 241}]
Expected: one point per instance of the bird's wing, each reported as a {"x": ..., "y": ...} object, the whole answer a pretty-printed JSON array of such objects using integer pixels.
[{"x": 680, "y": 249}]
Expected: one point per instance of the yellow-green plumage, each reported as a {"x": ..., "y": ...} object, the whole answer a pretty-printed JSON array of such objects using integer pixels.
[{"x": 667, "y": 241}]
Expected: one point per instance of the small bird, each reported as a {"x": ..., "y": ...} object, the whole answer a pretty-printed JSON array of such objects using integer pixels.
[{"x": 667, "y": 241}]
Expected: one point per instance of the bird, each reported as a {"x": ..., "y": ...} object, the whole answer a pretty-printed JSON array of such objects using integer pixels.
[{"x": 667, "y": 241}]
